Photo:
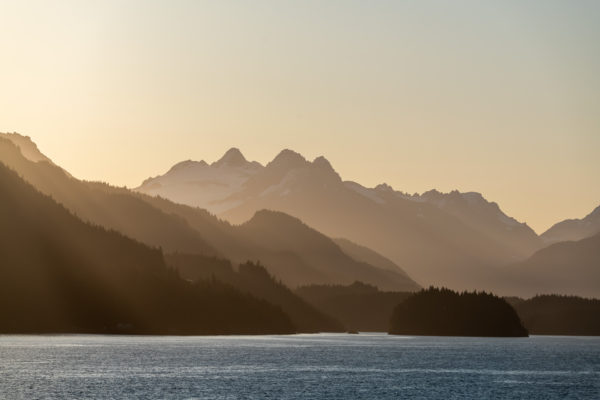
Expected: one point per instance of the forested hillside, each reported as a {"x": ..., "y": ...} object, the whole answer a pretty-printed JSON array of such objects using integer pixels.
[{"x": 59, "y": 274}]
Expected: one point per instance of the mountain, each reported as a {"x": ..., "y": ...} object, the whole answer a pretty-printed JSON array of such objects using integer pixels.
[
  {"x": 178, "y": 228},
  {"x": 452, "y": 242},
  {"x": 486, "y": 217},
  {"x": 59, "y": 274},
  {"x": 101, "y": 204},
  {"x": 197, "y": 183},
  {"x": 567, "y": 268},
  {"x": 573, "y": 229},
  {"x": 328, "y": 263},
  {"x": 254, "y": 279},
  {"x": 365, "y": 254}
]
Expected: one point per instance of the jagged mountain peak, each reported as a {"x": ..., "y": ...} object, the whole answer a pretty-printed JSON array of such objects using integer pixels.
[
  {"x": 232, "y": 158},
  {"x": 324, "y": 168},
  {"x": 288, "y": 159},
  {"x": 432, "y": 192},
  {"x": 475, "y": 197},
  {"x": 187, "y": 164},
  {"x": 471, "y": 198},
  {"x": 322, "y": 162},
  {"x": 384, "y": 187}
]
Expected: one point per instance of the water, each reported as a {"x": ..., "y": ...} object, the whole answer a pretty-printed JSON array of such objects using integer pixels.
[{"x": 327, "y": 366}]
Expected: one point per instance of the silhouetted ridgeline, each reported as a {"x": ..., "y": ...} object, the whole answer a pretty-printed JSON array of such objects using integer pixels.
[
  {"x": 300, "y": 255},
  {"x": 559, "y": 315},
  {"x": 110, "y": 207},
  {"x": 254, "y": 279},
  {"x": 443, "y": 312},
  {"x": 564, "y": 268},
  {"x": 359, "y": 306},
  {"x": 59, "y": 274}
]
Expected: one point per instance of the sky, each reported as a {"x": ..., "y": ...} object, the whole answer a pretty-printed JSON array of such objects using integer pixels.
[{"x": 501, "y": 98}]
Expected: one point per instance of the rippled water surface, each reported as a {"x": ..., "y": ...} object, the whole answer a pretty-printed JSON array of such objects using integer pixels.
[{"x": 366, "y": 366}]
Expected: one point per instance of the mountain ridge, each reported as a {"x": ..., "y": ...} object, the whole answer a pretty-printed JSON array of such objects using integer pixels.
[
  {"x": 377, "y": 217},
  {"x": 573, "y": 229},
  {"x": 174, "y": 227}
]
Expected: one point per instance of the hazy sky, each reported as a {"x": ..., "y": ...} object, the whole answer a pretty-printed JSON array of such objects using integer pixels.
[{"x": 498, "y": 97}]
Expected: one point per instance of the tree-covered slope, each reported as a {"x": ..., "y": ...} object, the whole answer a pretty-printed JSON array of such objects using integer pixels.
[
  {"x": 110, "y": 207},
  {"x": 178, "y": 228},
  {"x": 254, "y": 279},
  {"x": 59, "y": 274}
]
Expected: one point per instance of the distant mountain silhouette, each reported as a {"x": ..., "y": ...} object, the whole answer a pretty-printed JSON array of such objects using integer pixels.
[
  {"x": 254, "y": 279},
  {"x": 573, "y": 229},
  {"x": 486, "y": 217},
  {"x": 59, "y": 274},
  {"x": 197, "y": 183},
  {"x": 360, "y": 307},
  {"x": 279, "y": 232},
  {"x": 442, "y": 312},
  {"x": 565, "y": 268},
  {"x": 369, "y": 256},
  {"x": 179, "y": 228},
  {"x": 448, "y": 239}
]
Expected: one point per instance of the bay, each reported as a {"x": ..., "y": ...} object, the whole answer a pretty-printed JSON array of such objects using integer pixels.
[{"x": 322, "y": 366}]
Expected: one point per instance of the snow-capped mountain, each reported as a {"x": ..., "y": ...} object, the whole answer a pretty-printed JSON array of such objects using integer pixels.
[
  {"x": 446, "y": 239},
  {"x": 198, "y": 183},
  {"x": 474, "y": 210}
]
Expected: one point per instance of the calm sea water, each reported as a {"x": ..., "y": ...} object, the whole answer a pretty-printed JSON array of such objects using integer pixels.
[{"x": 326, "y": 366}]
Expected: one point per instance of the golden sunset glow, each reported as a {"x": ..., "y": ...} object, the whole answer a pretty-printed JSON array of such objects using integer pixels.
[{"x": 500, "y": 98}]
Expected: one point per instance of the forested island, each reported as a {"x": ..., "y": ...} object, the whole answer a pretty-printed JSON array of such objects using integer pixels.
[{"x": 443, "y": 312}]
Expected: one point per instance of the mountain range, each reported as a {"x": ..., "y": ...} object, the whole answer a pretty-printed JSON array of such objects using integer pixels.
[
  {"x": 459, "y": 240},
  {"x": 308, "y": 258},
  {"x": 309, "y": 227}
]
